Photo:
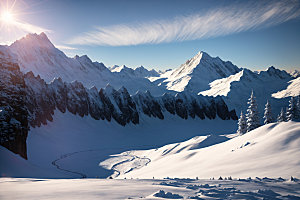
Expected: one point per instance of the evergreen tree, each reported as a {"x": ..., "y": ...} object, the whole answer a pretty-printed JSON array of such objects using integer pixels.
[
  {"x": 281, "y": 117},
  {"x": 268, "y": 114},
  {"x": 252, "y": 117},
  {"x": 297, "y": 115},
  {"x": 242, "y": 124},
  {"x": 292, "y": 109}
]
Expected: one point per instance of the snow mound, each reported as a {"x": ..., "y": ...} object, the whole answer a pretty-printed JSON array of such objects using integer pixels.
[
  {"x": 272, "y": 150},
  {"x": 293, "y": 89},
  {"x": 167, "y": 195}
]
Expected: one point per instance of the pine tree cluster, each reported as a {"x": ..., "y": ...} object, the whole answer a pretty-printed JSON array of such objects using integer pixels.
[{"x": 251, "y": 121}]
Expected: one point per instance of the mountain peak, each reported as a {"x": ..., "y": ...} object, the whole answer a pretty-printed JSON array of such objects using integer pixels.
[
  {"x": 272, "y": 71},
  {"x": 83, "y": 58},
  {"x": 199, "y": 70},
  {"x": 295, "y": 73},
  {"x": 203, "y": 54},
  {"x": 34, "y": 40}
]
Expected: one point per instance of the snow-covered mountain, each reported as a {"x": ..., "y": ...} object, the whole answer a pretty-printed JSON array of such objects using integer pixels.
[
  {"x": 38, "y": 80},
  {"x": 37, "y": 54},
  {"x": 28, "y": 100},
  {"x": 141, "y": 71},
  {"x": 272, "y": 150},
  {"x": 195, "y": 75},
  {"x": 293, "y": 89},
  {"x": 236, "y": 88},
  {"x": 295, "y": 73}
]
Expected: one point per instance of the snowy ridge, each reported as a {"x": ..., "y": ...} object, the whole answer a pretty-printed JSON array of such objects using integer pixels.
[
  {"x": 221, "y": 87},
  {"x": 271, "y": 150},
  {"x": 237, "y": 88},
  {"x": 36, "y": 53},
  {"x": 197, "y": 73},
  {"x": 295, "y": 73},
  {"x": 141, "y": 71},
  {"x": 293, "y": 89}
]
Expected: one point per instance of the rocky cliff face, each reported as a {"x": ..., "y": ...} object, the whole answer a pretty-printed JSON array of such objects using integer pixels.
[
  {"x": 109, "y": 103},
  {"x": 28, "y": 100},
  {"x": 13, "y": 112}
]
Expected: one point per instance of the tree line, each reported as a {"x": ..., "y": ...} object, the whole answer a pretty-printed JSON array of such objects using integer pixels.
[{"x": 251, "y": 120}]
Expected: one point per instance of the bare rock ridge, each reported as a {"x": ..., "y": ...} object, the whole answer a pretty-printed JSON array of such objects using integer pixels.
[
  {"x": 13, "y": 114},
  {"x": 27, "y": 100},
  {"x": 109, "y": 103}
]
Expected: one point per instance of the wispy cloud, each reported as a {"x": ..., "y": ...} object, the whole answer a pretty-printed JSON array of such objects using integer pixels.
[
  {"x": 213, "y": 23},
  {"x": 29, "y": 28},
  {"x": 64, "y": 47},
  {"x": 17, "y": 29}
]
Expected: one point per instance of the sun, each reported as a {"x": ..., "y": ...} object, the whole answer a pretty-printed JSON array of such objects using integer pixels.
[{"x": 7, "y": 17}]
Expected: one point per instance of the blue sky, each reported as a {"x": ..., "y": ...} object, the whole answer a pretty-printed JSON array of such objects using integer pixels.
[{"x": 164, "y": 34}]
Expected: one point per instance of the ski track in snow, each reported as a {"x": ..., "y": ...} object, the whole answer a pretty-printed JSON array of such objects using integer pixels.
[
  {"x": 114, "y": 167},
  {"x": 66, "y": 170},
  {"x": 133, "y": 157}
]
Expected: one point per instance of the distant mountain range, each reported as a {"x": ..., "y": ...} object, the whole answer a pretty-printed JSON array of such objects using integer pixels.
[{"x": 36, "y": 53}]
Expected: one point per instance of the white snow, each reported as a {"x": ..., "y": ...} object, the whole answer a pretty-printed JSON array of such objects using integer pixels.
[
  {"x": 89, "y": 189},
  {"x": 293, "y": 89},
  {"x": 221, "y": 87},
  {"x": 36, "y": 53},
  {"x": 236, "y": 89},
  {"x": 196, "y": 73},
  {"x": 272, "y": 150},
  {"x": 80, "y": 144}
]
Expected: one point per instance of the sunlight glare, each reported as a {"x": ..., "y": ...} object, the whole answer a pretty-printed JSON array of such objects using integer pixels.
[{"x": 7, "y": 17}]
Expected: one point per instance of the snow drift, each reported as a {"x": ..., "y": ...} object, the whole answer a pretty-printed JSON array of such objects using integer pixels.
[{"x": 272, "y": 150}]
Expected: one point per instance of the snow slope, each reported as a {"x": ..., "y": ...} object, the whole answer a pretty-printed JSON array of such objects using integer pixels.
[
  {"x": 293, "y": 89},
  {"x": 80, "y": 144},
  {"x": 237, "y": 88},
  {"x": 12, "y": 165},
  {"x": 272, "y": 150},
  {"x": 221, "y": 87},
  {"x": 196, "y": 73}
]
